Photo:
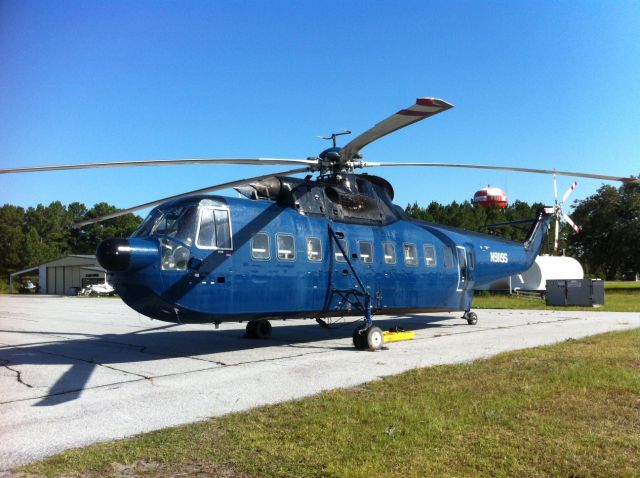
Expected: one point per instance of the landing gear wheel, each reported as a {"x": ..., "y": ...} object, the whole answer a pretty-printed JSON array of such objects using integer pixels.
[
  {"x": 251, "y": 329},
  {"x": 258, "y": 329},
  {"x": 263, "y": 329},
  {"x": 368, "y": 338},
  {"x": 375, "y": 338},
  {"x": 360, "y": 337},
  {"x": 472, "y": 318}
]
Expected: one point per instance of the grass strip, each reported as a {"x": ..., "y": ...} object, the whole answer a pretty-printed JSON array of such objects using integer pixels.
[
  {"x": 571, "y": 409},
  {"x": 619, "y": 297}
]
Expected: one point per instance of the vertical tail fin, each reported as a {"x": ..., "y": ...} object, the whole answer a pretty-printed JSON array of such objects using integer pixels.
[{"x": 538, "y": 230}]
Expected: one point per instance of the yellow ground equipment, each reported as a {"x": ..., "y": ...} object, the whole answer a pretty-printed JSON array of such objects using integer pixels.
[{"x": 397, "y": 334}]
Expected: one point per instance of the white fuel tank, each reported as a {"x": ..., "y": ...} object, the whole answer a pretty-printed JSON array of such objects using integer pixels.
[{"x": 544, "y": 268}]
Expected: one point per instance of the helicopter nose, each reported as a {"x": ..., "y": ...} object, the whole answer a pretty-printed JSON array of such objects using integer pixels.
[
  {"x": 118, "y": 254},
  {"x": 114, "y": 254}
]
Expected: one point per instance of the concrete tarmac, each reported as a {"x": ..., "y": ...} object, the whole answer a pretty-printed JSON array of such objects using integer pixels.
[{"x": 74, "y": 371}]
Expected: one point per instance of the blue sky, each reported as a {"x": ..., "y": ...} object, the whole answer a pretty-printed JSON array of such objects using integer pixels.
[{"x": 535, "y": 83}]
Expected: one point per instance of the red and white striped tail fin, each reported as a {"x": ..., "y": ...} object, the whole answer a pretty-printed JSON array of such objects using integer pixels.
[{"x": 423, "y": 108}]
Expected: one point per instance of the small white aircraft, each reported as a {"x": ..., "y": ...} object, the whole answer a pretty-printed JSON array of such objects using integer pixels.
[{"x": 98, "y": 289}]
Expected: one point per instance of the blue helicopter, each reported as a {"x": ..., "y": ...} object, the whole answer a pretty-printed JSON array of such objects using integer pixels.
[{"x": 324, "y": 247}]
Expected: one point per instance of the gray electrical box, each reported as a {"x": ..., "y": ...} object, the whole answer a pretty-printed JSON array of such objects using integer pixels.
[{"x": 589, "y": 292}]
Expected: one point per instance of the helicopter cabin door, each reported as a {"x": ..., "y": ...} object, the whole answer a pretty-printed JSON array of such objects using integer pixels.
[
  {"x": 351, "y": 270},
  {"x": 463, "y": 268}
]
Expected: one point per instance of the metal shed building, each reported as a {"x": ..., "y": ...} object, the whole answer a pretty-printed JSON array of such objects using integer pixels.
[{"x": 66, "y": 274}]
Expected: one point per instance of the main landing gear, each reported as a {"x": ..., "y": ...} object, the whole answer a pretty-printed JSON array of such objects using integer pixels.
[
  {"x": 470, "y": 317},
  {"x": 258, "y": 329},
  {"x": 368, "y": 337}
]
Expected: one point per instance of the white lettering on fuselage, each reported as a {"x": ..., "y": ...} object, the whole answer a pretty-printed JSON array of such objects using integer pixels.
[{"x": 500, "y": 257}]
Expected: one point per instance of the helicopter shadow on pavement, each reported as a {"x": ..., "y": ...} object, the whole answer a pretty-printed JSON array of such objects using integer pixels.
[{"x": 143, "y": 354}]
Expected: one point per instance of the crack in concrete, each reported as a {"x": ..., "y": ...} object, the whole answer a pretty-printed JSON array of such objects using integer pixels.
[
  {"x": 142, "y": 349},
  {"x": 139, "y": 348},
  {"x": 4, "y": 364},
  {"x": 150, "y": 379}
]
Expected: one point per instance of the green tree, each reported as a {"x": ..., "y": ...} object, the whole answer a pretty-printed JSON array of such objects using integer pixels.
[
  {"x": 51, "y": 223},
  {"x": 473, "y": 218},
  {"x": 607, "y": 245},
  {"x": 43, "y": 233},
  {"x": 11, "y": 239},
  {"x": 87, "y": 238}
]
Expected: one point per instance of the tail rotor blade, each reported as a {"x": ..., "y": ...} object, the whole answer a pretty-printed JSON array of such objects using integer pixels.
[
  {"x": 571, "y": 223},
  {"x": 555, "y": 240},
  {"x": 555, "y": 189},
  {"x": 569, "y": 191}
]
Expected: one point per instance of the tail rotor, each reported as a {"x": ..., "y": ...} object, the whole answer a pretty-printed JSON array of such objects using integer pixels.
[{"x": 559, "y": 213}]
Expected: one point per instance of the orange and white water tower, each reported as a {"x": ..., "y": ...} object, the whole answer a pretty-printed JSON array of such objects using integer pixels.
[{"x": 490, "y": 196}]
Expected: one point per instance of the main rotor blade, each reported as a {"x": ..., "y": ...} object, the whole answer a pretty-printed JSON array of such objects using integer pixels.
[
  {"x": 162, "y": 162},
  {"x": 217, "y": 187},
  {"x": 505, "y": 168},
  {"x": 423, "y": 108}
]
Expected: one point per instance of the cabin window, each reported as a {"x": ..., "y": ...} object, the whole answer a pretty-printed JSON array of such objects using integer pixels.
[
  {"x": 410, "y": 254},
  {"x": 260, "y": 246},
  {"x": 430, "y": 256},
  {"x": 214, "y": 230},
  {"x": 471, "y": 261},
  {"x": 314, "y": 249},
  {"x": 286, "y": 247},
  {"x": 345, "y": 247},
  {"x": 365, "y": 251},
  {"x": 448, "y": 256},
  {"x": 389, "y": 250}
]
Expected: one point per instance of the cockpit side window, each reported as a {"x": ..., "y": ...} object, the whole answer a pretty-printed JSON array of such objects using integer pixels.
[
  {"x": 223, "y": 228},
  {"x": 214, "y": 230},
  {"x": 207, "y": 230}
]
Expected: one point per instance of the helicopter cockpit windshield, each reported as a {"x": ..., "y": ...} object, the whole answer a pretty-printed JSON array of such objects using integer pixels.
[
  {"x": 206, "y": 226},
  {"x": 179, "y": 223},
  {"x": 176, "y": 229}
]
